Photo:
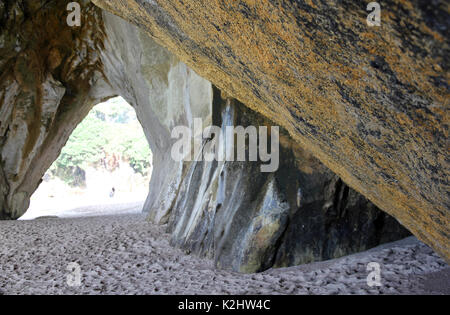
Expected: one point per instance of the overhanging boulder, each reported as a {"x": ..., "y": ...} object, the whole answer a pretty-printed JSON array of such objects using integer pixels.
[
  {"x": 371, "y": 103},
  {"x": 52, "y": 75}
]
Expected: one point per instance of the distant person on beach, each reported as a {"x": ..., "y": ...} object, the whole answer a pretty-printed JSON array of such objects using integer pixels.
[{"x": 112, "y": 193}]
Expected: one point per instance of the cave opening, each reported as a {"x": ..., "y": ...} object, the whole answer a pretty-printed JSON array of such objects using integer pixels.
[{"x": 104, "y": 168}]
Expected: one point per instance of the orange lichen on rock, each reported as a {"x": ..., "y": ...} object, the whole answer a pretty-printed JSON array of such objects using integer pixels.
[{"x": 367, "y": 101}]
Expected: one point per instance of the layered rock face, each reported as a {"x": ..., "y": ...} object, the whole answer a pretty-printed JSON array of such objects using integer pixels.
[
  {"x": 248, "y": 220},
  {"x": 52, "y": 75},
  {"x": 371, "y": 103}
]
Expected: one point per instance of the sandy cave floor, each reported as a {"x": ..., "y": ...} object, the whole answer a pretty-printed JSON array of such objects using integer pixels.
[{"x": 124, "y": 254}]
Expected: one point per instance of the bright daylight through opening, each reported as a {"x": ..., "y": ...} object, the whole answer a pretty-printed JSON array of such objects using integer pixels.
[{"x": 104, "y": 168}]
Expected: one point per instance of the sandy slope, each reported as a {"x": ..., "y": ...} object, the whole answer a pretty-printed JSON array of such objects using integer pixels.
[{"x": 124, "y": 254}]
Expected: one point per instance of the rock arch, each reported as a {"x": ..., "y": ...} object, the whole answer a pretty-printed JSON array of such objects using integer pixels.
[
  {"x": 371, "y": 103},
  {"x": 52, "y": 77}
]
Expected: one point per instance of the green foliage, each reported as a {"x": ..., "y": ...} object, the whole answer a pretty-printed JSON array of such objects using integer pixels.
[{"x": 110, "y": 128}]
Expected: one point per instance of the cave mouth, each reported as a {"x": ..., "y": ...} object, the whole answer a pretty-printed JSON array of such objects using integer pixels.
[{"x": 104, "y": 168}]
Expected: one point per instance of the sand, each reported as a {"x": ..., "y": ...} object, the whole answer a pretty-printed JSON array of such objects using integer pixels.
[{"x": 124, "y": 254}]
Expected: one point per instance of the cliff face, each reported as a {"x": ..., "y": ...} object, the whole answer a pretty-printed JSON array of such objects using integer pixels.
[
  {"x": 371, "y": 103},
  {"x": 48, "y": 74},
  {"x": 52, "y": 75},
  {"x": 248, "y": 221}
]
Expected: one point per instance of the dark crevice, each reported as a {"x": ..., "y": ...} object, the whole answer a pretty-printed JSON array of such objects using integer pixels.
[{"x": 278, "y": 244}]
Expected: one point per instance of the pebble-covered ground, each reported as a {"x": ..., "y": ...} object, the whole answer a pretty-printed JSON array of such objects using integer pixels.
[{"x": 126, "y": 255}]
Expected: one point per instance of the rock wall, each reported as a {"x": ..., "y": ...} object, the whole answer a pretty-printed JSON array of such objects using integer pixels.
[
  {"x": 248, "y": 221},
  {"x": 49, "y": 75},
  {"x": 164, "y": 92},
  {"x": 371, "y": 103},
  {"x": 218, "y": 209},
  {"x": 52, "y": 75}
]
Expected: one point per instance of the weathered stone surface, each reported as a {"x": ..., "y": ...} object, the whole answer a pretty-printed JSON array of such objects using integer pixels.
[
  {"x": 47, "y": 74},
  {"x": 164, "y": 92},
  {"x": 51, "y": 78},
  {"x": 211, "y": 207},
  {"x": 370, "y": 102},
  {"x": 249, "y": 221}
]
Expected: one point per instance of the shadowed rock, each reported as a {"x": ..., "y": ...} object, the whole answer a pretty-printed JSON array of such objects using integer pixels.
[{"x": 249, "y": 221}]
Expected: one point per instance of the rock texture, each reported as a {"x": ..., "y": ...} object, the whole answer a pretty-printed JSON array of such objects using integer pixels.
[
  {"x": 249, "y": 221},
  {"x": 246, "y": 233},
  {"x": 370, "y": 102},
  {"x": 52, "y": 75},
  {"x": 48, "y": 78}
]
